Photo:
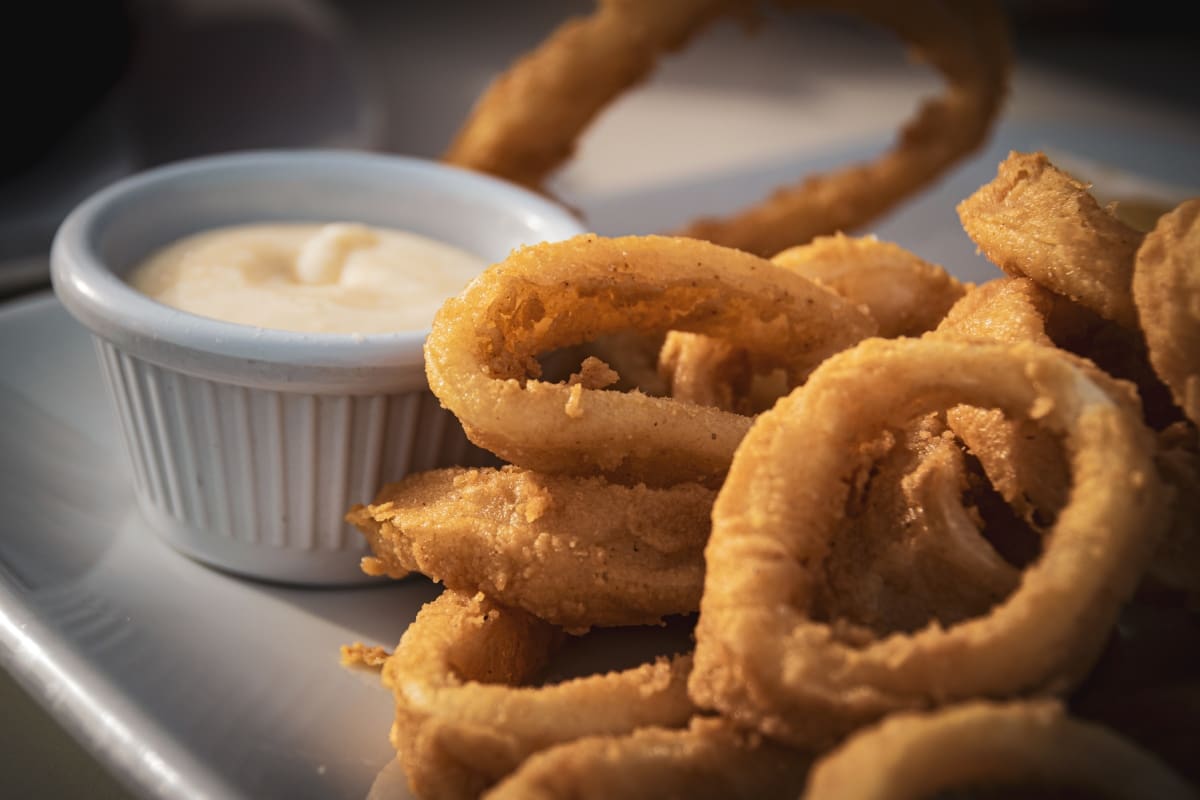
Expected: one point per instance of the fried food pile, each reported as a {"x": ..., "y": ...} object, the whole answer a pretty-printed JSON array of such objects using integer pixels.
[
  {"x": 921, "y": 536},
  {"x": 931, "y": 536}
]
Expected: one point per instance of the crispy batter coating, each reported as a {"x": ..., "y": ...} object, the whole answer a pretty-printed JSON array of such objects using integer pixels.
[
  {"x": 905, "y": 294},
  {"x": 1166, "y": 290},
  {"x": 1024, "y": 462},
  {"x": 1020, "y": 746},
  {"x": 466, "y": 716},
  {"x": 1035, "y": 220},
  {"x": 481, "y": 354},
  {"x": 765, "y": 661},
  {"x": 576, "y": 552},
  {"x": 709, "y": 759}
]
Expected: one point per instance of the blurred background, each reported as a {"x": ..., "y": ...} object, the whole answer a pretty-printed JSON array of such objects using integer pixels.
[
  {"x": 101, "y": 89},
  {"x": 141, "y": 82}
]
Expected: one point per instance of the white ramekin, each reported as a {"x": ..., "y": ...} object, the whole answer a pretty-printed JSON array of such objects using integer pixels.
[{"x": 249, "y": 445}]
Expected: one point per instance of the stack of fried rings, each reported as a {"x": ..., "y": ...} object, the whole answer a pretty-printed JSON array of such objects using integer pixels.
[{"x": 774, "y": 656}]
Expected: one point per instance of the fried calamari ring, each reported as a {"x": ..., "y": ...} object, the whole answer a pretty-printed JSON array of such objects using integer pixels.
[
  {"x": 1035, "y": 220},
  {"x": 529, "y": 119},
  {"x": 1166, "y": 290},
  {"x": 1019, "y": 746},
  {"x": 463, "y": 721},
  {"x": 575, "y": 552},
  {"x": 709, "y": 759},
  {"x": 903, "y": 293},
  {"x": 482, "y": 350},
  {"x": 761, "y": 657}
]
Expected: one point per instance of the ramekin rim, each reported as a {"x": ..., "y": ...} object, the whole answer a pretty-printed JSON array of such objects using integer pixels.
[{"x": 98, "y": 297}]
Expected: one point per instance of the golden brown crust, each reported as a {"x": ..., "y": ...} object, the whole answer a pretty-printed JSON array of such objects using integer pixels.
[
  {"x": 1037, "y": 221},
  {"x": 913, "y": 756},
  {"x": 482, "y": 351},
  {"x": 1166, "y": 289},
  {"x": 761, "y": 657},
  {"x": 575, "y": 552},
  {"x": 709, "y": 759},
  {"x": 466, "y": 716}
]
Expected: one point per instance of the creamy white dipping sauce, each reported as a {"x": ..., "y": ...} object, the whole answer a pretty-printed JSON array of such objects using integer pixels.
[{"x": 335, "y": 278}]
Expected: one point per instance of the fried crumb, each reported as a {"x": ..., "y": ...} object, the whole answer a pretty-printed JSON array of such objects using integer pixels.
[
  {"x": 574, "y": 406},
  {"x": 594, "y": 374},
  {"x": 359, "y": 655}
]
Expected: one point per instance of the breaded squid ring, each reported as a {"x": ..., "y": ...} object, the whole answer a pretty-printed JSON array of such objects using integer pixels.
[
  {"x": 575, "y": 552},
  {"x": 709, "y": 759},
  {"x": 481, "y": 354},
  {"x": 902, "y": 292},
  {"x": 1166, "y": 291},
  {"x": 765, "y": 661},
  {"x": 1035, "y": 220},
  {"x": 905, "y": 294},
  {"x": 1022, "y": 746},
  {"x": 463, "y": 720},
  {"x": 527, "y": 122}
]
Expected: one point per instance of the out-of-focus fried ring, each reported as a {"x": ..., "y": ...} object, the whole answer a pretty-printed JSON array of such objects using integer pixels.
[
  {"x": 481, "y": 354},
  {"x": 464, "y": 719},
  {"x": 968, "y": 44},
  {"x": 762, "y": 658},
  {"x": 1166, "y": 289},
  {"x": 529, "y": 119},
  {"x": 576, "y": 552},
  {"x": 709, "y": 759},
  {"x": 979, "y": 745},
  {"x": 1035, "y": 220}
]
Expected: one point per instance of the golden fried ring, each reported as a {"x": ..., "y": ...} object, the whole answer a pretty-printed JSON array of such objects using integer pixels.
[
  {"x": 463, "y": 721},
  {"x": 1166, "y": 291},
  {"x": 763, "y": 659},
  {"x": 1035, "y": 220},
  {"x": 903, "y": 293},
  {"x": 709, "y": 759},
  {"x": 575, "y": 552},
  {"x": 482, "y": 351},
  {"x": 529, "y": 119},
  {"x": 979, "y": 744}
]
